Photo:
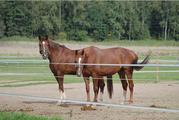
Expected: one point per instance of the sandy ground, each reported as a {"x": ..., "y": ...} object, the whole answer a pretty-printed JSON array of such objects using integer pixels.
[{"x": 161, "y": 95}]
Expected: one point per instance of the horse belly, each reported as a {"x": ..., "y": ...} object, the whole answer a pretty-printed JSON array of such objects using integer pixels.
[
  {"x": 63, "y": 69},
  {"x": 68, "y": 69},
  {"x": 103, "y": 71}
]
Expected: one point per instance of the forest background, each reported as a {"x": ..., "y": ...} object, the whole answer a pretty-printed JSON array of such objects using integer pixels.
[{"x": 91, "y": 20}]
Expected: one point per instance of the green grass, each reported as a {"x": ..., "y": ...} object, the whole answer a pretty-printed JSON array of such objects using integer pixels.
[
  {"x": 137, "y": 43},
  {"x": 26, "y": 84},
  {"x": 37, "y": 72},
  {"x": 43, "y": 73},
  {"x": 24, "y": 116}
]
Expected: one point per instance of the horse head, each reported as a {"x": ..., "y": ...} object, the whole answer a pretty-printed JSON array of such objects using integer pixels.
[
  {"x": 43, "y": 46},
  {"x": 79, "y": 59}
]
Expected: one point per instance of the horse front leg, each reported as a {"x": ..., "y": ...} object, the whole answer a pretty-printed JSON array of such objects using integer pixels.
[
  {"x": 60, "y": 80},
  {"x": 87, "y": 84}
]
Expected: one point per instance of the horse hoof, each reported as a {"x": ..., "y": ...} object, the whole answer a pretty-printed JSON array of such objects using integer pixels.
[
  {"x": 101, "y": 100},
  {"x": 130, "y": 101},
  {"x": 122, "y": 103},
  {"x": 59, "y": 102}
]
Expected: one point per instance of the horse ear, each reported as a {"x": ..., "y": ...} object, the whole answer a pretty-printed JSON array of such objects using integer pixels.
[
  {"x": 46, "y": 37},
  {"x": 82, "y": 52},
  {"x": 40, "y": 37},
  {"x": 79, "y": 52},
  {"x": 76, "y": 52}
]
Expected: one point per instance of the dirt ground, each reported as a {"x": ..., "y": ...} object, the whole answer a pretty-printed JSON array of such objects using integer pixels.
[{"x": 161, "y": 95}]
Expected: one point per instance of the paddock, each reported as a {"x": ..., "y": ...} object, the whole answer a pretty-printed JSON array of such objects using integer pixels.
[
  {"x": 162, "y": 98},
  {"x": 27, "y": 85}
]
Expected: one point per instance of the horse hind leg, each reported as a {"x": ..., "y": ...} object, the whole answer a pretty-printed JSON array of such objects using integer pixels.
[
  {"x": 129, "y": 74},
  {"x": 110, "y": 86},
  {"x": 87, "y": 84},
  {"x": 96, "y": 87},
  {"x": 124, "y": 85},
  {"x": 101, "y": 85}
]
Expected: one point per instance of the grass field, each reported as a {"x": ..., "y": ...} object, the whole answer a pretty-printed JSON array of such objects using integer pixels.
[
  {"x": 32, "y": 71},
  {"x": 19, "y": 70},
  {"x": 23, "y": 116}
]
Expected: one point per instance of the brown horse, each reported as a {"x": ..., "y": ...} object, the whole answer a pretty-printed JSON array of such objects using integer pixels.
[
  {"x": 57, "y": 54},
  {"x": 116, "y": 55}
]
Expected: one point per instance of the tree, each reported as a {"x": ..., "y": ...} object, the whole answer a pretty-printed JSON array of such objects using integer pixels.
[
  {"x": 2, "y": 25},
  {"x": 98, "y": 20},
  {"x": 46, "y": 18},
  {"x": 16, "y": 18}
]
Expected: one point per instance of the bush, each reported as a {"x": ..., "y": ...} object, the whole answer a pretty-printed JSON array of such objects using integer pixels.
[
  {"x": 62, "y": 36},
  {"x": 176, "y": 37},
  {"x": 77, "y": 35}
]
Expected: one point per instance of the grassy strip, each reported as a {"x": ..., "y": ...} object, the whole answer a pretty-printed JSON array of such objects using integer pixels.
[
  {"x": 74, "y": 79},
  {"x": 41, "y": 72},
  {"x": 24, "y": 116},
  {"x": 138, "y": 78},
  {"x": 26, "y": 84},
  {"x": 148, "y": 42}
]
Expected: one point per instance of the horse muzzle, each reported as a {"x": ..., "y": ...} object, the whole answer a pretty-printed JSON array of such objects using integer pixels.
[{"x": 44, "y": 57}]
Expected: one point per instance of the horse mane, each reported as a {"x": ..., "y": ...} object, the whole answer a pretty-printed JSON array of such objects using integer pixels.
[{"x": 56, "y": 45}]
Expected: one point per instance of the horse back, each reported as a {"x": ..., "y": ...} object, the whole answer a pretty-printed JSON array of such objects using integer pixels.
[{"x": 117, "y": 55}]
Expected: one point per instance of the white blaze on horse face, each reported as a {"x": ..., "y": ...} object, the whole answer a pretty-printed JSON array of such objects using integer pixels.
[
  {"x": 43, "y": 45},
  {"x": 79, "y": 60},
  {"x": 79, "y": 66},
  {"x": 43, "y": 42}
]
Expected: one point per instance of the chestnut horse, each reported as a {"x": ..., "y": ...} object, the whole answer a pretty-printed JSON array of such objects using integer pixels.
[
  {"x": 116, "y": 55},
  {"x": 57, "y": 54}
]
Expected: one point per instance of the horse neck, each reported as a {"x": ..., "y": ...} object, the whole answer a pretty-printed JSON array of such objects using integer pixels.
[
  {"x": 57, "y": 52},
  {"x": 53, "y": 50}
]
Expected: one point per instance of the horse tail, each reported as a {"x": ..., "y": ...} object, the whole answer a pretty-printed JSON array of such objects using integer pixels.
[
  {"x": 145, "y": 61},
  {"x": 110, "y": 86}
]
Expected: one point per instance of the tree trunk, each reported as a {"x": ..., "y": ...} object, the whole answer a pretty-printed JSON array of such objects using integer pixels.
[
  {"x": 130, "y": 30},
  {"x": 166, "y": 27},
  {"x": 60, "y": 13}
]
